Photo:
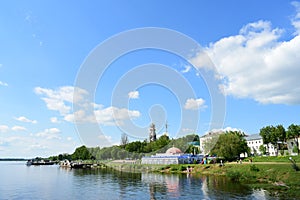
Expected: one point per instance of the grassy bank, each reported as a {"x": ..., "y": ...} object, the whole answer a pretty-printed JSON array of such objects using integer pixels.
[
  {"x": 278, "y": 178},
  {"x": 129, "y": 167}
]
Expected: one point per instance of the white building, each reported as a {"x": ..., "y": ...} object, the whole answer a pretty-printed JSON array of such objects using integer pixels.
[
  {"x": 172, "y": 156},
  {"x": 208, "y": 141},
  {"x": 255, "y": 141}
]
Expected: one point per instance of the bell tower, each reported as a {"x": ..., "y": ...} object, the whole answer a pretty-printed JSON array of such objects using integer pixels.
[{"x": 152, "y": 133}]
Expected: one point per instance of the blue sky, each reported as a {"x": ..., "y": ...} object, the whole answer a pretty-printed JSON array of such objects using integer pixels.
[{"x": 252, "y": 45}]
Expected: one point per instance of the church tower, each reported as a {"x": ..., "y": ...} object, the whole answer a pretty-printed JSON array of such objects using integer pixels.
[{"x": 152, "y": 134}]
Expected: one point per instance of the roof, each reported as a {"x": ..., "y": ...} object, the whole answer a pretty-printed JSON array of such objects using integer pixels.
[
  {"x": 194, "y": 143},
  {"x": 211, "y": 134},
  {"x": 173, "y": 150},
  {"x": 253, "y": 137}
]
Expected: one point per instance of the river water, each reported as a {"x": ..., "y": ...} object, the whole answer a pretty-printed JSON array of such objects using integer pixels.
[{"x": 19, "y": 181}]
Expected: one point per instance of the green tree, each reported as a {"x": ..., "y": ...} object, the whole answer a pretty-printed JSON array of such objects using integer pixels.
[
  {"x": 135, "y": 146},
  {"x": 81, "y": 153},
  {"x": 230, "y": 145},
  {"x": 267, "y": 135},
  {"x": 124, "y": 140},
  {"x": 262, "y": 149},
  {"x": 209, "y": 144},
  {"x": 280, "y": 133},
  {"x": 192, "y": 149},
  {"x": 293, "y": 132},
  {"x": 273, "y": 135}
]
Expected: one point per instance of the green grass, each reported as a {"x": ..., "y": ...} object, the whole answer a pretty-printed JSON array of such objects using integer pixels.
[{"x": 275, "y": 159}]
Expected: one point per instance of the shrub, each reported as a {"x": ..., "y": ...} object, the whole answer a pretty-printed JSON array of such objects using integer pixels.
[
  {"x": 254, "y": 168},
  {"x": 234, "y": 175},
  {"x": 182, "y": 168}
]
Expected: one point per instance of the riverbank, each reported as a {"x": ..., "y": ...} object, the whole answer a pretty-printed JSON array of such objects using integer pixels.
[{"x": 279, "y": 178}]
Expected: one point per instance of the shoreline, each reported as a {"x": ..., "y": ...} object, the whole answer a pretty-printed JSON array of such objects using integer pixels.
[{"x": 278, "y": 178}]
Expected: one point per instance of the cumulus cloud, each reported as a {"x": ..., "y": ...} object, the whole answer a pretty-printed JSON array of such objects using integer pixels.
[
  {"x": 51, "y": 133},
  {"x": 133, "y": 95},
  {"x": 256, "y": 64},
  {"x": 194, "y": 104},
  {"x": 225, "y": 130},
  {"x": 112, "y": 114},
  {"x": 3, "y": 128},
  {"x": 25, "y": 119},
  {"x": 54, "y": 120},
  {"x": 18, "y": 128},
  {"x": 61, "y": 100},
  {"x": 296, "y": 19},
  {"x": 3, "y": 83}
]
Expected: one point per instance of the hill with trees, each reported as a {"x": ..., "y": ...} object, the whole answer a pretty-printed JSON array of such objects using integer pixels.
[{"x": 132, "y": 150}]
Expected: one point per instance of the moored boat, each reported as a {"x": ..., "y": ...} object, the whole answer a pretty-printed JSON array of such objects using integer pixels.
[{"x": 39, "y": 162}]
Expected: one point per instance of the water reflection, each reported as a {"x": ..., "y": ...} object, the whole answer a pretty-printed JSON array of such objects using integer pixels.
[
  {"x": 180, "y": 186},
  {"x": 112, "y": 184}
]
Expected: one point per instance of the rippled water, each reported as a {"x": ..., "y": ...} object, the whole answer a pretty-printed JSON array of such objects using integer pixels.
[{"x": 52, "y": 182}]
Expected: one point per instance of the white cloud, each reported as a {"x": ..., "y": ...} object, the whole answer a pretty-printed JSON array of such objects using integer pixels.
[
  {"x": 18, "y": 128},
  {"x": 107, "y": 116},
  {"x": 24, "y": 119},
  {"x": 38, "y": 147},
  {"x": 256, "y": 64},
  {"x": 3, "y": 84},
  {"x": 69, "y": 138},
  {"x": 187, "y": 68},
  {"x": 296, "y": 19},
  {"x": 133, "y": 95},
  {"x": 54, "y": 120},
  {"x": 51, "y": 133},
  {"x": 4, "y": 128},
  {"x": 188, "y": 130},
  {"x": 104, "y": 137},
  {"x": 224, "y": 130},
  {"x": 111, "y": 114},
  {"x": 194, "y": 104},
  {"x": 61, "y": 100}
]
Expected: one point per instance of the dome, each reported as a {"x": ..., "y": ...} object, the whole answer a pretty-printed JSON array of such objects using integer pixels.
[{"x": 173, "y": 150}]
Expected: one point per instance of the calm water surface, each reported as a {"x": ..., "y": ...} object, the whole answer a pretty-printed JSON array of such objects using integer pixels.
[{"x": 52, "y": 182}]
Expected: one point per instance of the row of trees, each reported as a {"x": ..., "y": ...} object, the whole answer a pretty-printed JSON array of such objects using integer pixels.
[
  {"x": 132, "y": 150},
  {"x": 228, "y": 145},
  {"x": 233, "y": 143},
  {"x": 278, "y": 135}
]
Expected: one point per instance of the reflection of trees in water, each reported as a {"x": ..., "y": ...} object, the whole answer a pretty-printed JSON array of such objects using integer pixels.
[
  {"x": 193, "y": 186},
  {"x": 219, "y": 186},
  {"x": 162, "y": 185},
  {"x": 131, "y": 178},
  {"x": 107, "y": 175}
]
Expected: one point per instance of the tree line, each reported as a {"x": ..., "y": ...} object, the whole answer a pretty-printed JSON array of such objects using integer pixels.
[
  {"x": 228, "y": 145},
  {"x": 132, "y": 150},
  {"x": 278, "y": 136}
]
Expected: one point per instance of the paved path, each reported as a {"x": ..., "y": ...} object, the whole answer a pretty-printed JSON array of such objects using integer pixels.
[{"x": 268, "y": 163}]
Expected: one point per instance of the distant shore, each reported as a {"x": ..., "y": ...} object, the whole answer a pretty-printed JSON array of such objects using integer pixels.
[{"x": 13, "y": 159}]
